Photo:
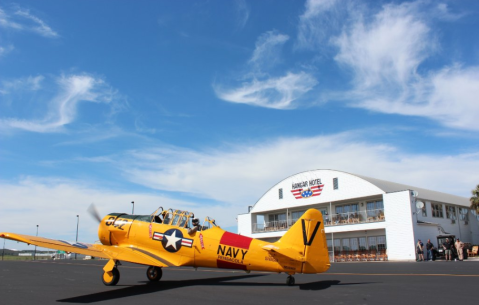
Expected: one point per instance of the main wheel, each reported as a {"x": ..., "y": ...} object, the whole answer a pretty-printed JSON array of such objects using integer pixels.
[
  {"x": 111, "y": 278},
  {"x": 290, "y": 281},
  {"x": 154, "y": 274}
]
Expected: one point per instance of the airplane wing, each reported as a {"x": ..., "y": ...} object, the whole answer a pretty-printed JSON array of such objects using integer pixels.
[{"x": 130, "y": 254}]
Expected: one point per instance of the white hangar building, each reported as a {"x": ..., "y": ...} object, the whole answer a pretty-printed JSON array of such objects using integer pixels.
[{"x": 362, "y": 215}]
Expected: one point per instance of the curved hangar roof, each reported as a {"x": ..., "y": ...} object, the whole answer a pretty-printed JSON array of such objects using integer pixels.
[{"x": 317, "y": 186}]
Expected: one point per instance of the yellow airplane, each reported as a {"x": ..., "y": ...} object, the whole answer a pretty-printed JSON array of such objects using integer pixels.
[{"x": 175, "y": 238}]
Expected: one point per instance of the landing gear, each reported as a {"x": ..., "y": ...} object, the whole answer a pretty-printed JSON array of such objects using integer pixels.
[
  {"x": 111, "y": 278},
  {"x": 111, "y": 275},
  {"x": 290, "y": 280},
  {"x": 154, "y": 274}
]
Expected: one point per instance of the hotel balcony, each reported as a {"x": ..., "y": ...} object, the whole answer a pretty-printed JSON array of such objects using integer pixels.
[{"x": 341, "y": 219}]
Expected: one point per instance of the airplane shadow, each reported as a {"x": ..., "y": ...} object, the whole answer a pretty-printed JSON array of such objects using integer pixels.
[{"x": 152, "y": 287}]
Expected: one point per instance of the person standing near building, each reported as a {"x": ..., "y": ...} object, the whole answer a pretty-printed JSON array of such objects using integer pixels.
[
  {"x": 460, "y": 249},
  {"x": 420, "y": 251},
  {"x": 429, "y": 247},
  {"x": 447, "y": 249}
]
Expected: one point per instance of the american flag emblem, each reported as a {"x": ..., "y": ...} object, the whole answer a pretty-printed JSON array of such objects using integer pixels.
[{"x": 308, "y": 192}]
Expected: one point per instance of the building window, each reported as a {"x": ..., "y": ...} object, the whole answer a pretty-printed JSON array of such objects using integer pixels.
[
  {"x": 354, "y": 244},
  {"x": 296, "y": 215},
  {"x": 335, "y": 183},
  {"x": 372, "y": 243},
  {"x": 463, "y": 214},
  {"x": 375, "y": 208},
  {"x": 337, "y": 245},
  {"x": 345, "y": 242},
  {"x": 330, "y": 245},
  {"x": 423, "y": 211},
  {"x": 450, "y": 212},
  {"x": 280, "y": 193},
  {"x": 381, "y": 240},
  {"x": 362, "y": 243},
  {"x": 437, "y": 210}
]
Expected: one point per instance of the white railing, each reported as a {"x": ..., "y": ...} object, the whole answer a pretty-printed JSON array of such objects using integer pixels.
[{"x": 329, "y": 220}]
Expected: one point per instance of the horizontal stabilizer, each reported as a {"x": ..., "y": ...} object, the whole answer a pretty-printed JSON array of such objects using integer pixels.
[{"x": 288, "y": 252}]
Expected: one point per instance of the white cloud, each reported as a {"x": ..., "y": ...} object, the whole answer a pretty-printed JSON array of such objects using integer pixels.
[
  {"x": 63, "y": 107},
  {"x": 6, "y": 22},
  {"x": 314, "y": 25},
  {"x": 386, "y": 51},
  {"x": 385, "y": 55},
  {"x": 53, "y": 204},
  {"x": 276, "y": 93},
  {"x": 240, "y": 174},
  {"x": 4, "y": 50},
  {"x": 39, "y": 26},
  {"x": 30, "y": 83},
  {"x": 448, "y": 96},
  {"x": 267, "y": 49},
  {"x": 242, "y": 13},
  {"x": 261, "y": 89}
]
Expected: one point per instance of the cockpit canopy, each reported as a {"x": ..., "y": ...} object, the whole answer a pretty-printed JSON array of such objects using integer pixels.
[{"x": 182, "y": 219}]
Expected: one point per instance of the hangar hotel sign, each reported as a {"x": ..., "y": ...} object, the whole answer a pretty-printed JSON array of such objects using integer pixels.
[{"x": 306, "y": 189}]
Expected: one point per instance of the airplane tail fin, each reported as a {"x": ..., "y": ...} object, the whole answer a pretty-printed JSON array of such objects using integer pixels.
[{"x": 308, "y": 239}]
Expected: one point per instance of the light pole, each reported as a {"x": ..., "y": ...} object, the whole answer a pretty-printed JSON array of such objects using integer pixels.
[
  {"x": 133, "y": 208},
  {"x": 35, "y": 253},
  {"x": 78, "y": 221}
]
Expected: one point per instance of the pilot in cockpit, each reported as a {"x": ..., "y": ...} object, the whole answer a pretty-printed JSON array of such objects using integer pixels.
[{"x": 195, "y": 226}]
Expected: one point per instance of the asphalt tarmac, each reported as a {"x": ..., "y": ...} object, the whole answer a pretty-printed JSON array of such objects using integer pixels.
[{"x": 54, "y": 282}]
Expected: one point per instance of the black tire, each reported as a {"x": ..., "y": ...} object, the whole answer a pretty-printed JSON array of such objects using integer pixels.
[
  {"x": 111, "y": 280},
  {"x": 290, "y": 281},
  {"x": 154, "y": 274}
]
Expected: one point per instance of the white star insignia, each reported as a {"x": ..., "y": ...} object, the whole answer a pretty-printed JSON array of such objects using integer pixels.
[{"x": 172, "y": 240}]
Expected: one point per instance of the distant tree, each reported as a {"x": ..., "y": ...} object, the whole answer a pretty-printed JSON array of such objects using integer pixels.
[{"x": 475, "y": 199}]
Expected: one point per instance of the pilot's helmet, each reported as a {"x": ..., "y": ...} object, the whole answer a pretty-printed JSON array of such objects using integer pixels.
[{"x": 195, "y": 220}]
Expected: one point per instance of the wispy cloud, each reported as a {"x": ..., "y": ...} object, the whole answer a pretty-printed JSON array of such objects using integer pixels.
[
  {"x": 5, "y": 50},
  {"x": 24, "y": 20},
  {"x": 38, "y": 25},
  {"x": 72, "y": 89},
  {"x": 239, "y": 174},
  {"x": 267, "y": 50},
  {"x": 258, "y": 87},
  {"x": 386, "y": 50},
  {"x": 276, "y": 93},
  {"x": 30, "y": 83},
  {"x": 7, "y": 22},
  {"x": 242, "y": 12},
  {"x": 314, "y": 26},
  {"x": 385, "y": 55}
]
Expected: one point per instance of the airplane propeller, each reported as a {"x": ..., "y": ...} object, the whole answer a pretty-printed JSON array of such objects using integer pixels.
[{"x": 94, "y": 212}]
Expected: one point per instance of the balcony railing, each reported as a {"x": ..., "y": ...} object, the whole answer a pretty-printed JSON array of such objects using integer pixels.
[{"x": 329, "y": 220}]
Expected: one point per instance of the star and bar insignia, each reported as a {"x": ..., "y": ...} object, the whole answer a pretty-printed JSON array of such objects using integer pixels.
[{"x": 172, "y": 240}]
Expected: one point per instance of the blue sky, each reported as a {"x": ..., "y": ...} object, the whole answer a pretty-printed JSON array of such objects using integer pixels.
[{"x": 205, "y": 105}]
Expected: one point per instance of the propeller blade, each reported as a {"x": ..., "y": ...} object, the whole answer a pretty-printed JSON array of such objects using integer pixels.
[{"x": 94, "y": 212}]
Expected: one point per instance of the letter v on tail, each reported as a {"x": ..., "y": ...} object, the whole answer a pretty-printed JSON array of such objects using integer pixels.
[{"x": 305, "y": 237}]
